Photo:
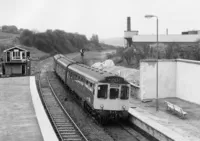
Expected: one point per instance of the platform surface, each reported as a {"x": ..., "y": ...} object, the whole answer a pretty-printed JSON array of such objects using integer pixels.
[
  {"x": 18, "y": 118},
  {"x": 164, "y": 121}
]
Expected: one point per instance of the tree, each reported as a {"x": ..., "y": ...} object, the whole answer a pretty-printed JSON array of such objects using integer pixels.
[
  {"x": 95, "y": 39},
  {"x": 10, "y": 29},
  {"x": 26, "y": 37}
]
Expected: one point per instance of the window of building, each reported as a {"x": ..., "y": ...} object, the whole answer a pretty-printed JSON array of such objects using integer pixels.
[
  {"x": 23, "y": 55},
  {"x": 16, "y": 55},
  {"x": 124, "y": 92},
  {"x": 102, "y": 91}
]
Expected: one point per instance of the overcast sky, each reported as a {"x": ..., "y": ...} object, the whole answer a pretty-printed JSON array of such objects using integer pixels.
[{"x": 107, "y": 18}]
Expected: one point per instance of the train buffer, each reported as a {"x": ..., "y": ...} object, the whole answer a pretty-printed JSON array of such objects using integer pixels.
[{"x": 176, "y": 109}]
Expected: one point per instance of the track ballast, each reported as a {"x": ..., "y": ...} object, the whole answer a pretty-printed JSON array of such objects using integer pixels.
[{"x": 63, "y": 124}]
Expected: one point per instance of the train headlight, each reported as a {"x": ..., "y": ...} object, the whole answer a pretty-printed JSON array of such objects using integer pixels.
[
  {"x": 101, "y": 106},
  {"x": 124, "y": 107}
]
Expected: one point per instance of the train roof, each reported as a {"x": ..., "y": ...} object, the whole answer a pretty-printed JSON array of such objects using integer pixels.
[
  {"x": 63, "y": 60},
  {"x": 91, "y": 73}
]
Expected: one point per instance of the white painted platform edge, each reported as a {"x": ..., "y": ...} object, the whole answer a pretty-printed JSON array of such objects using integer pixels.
[
  {"x": 164, "y": 130},
  {"x": 44, "y": 123}
]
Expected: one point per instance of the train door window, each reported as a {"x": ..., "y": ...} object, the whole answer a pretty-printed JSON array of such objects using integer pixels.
[
  {"x": 124, "y": 92},
  {"x": 114, "y": 93},
  {"x": 91, "y": 86},
  {"x": 102, "y": 91}
]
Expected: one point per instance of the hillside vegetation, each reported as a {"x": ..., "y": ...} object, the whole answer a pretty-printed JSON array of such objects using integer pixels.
[
  {"x": 58, "y": 41},
  {"x": 7, "y": 40},
  {"x": 51, "y": 41}
]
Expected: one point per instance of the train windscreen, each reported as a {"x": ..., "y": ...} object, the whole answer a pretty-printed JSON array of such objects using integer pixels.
[
  {"x": 114, "y": 93},
  {"x": 102, "y": 91},
  {"x": 124, "y": 92}
]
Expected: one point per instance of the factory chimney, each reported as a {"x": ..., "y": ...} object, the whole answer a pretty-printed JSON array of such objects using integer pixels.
[{"x": 128, "y": 23}]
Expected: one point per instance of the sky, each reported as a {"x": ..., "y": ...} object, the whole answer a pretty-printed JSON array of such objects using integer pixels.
[{"x": 106, "y": 18}]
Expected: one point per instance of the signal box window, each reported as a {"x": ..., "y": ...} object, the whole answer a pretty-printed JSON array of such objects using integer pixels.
[
  {"x": 124, "y": 92},
  {"x": 102, "y": 91},
  {"x": 16, "y": 55},
  {"x": 114, "y": 93},
  {"x": 23, "y": 55}
]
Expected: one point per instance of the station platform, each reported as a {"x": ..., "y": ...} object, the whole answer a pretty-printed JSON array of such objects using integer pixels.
[
  {"x": 22, "y": 116},
  {"x": 164, "y": 125}
]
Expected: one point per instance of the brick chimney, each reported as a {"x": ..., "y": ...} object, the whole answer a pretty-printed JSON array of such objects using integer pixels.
[{"x": 128, "y": 23}]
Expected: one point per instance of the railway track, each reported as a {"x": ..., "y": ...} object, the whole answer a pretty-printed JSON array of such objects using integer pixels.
[
  {"x": 63, "y": 124},
  {"x": 138, "y": 136}
]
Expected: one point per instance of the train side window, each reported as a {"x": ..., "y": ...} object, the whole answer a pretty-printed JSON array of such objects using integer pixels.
[
  {"x": 124, "y": 92},
  {"x": 114, "y": 93},
  {"x": 91, "y": 86},
  {"x": 82, "y": 80},
  {"x": 71, "y": 75},
  {"x": 102, "y": 91}
]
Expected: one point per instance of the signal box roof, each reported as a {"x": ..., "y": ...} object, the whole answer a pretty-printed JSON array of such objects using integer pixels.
[{"x": 15, "y": 47}]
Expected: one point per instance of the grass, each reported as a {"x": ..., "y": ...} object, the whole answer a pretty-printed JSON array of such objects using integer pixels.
[{"x": 4, "y": 35}]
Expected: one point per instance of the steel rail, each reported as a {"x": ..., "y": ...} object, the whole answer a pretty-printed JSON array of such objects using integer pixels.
[{"x": 64, "y": 125}]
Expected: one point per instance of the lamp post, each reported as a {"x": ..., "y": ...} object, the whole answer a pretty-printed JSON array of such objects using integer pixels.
[{"x": 151, "y": 16}]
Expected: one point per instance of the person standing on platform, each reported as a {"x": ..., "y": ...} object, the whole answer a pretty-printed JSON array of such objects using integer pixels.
[{"x": 82, "y": 52}]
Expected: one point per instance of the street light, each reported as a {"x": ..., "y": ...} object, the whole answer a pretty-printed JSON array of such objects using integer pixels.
[{"x": 151, "y": 16}]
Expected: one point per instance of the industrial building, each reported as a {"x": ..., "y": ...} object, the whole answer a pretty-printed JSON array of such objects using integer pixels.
[{"x": 133, "y": 38}]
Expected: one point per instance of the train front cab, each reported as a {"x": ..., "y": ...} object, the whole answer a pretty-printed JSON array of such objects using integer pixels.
[{"x": 112, "y": 99}]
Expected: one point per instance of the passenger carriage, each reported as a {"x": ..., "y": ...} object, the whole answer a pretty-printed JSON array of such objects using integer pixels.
[{"x": 103, "y": 93}]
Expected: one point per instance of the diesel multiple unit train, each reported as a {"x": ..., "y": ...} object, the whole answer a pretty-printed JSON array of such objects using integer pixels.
[{"x": 103, "y": 94}]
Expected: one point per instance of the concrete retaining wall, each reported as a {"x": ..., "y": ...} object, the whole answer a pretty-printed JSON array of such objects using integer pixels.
[
  {"x": 166, "y": 79},
  {"x": 188, "y": 76},
  {"x": 176, "y": 78}
]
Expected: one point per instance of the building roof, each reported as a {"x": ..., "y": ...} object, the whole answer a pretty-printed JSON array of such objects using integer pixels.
[
  {"x": 18, "y": 47},
  {"x": 166, "y": 38}
]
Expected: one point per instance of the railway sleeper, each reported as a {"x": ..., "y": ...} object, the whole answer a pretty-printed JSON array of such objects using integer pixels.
[{"x": 66, "y": 130}]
